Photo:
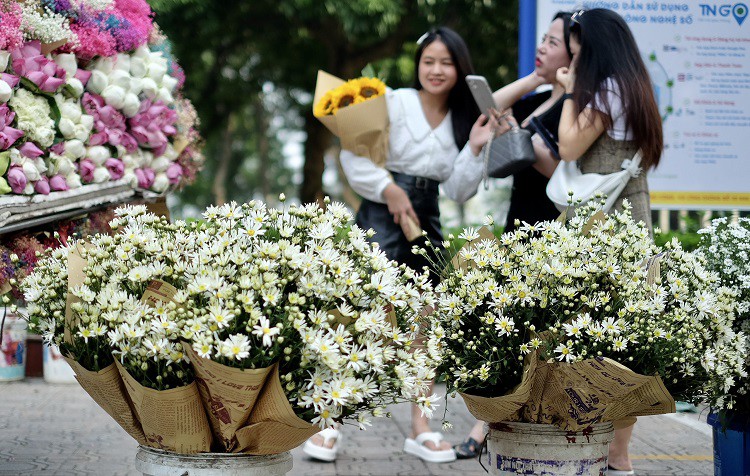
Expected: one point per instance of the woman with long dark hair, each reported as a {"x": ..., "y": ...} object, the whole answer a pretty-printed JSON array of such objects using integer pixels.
[
  {"x": 540, "y": 114},
  {"x": 609, "y": 114},
  {"x": 611, "y": 111},
  {"x": 436, "y": 135}
]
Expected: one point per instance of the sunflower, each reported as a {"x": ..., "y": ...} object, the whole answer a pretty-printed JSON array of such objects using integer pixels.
[
  {"x": 325, "y": 105},
  {"x": 343, "y": 96},
  {"x": 369, "y": 87}
]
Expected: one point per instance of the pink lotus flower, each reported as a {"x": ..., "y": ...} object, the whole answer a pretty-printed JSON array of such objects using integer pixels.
[
  {"x": 86, "y": 170},
  {"x": 42, "y": 186},
  {"x": 152, "y": 125},
  {"x": 29, "y": 63},
  {"x": 58, "y": 148},
  {"x": 58, "y": 183},
  {"x": 174, "y": 173},
  {"x": 30, "y": 150},
  {"x": 11, "y": 79},
  {"x": 109, "y": 124},
  {"x": 8, "y": 135},
  {"x": 115, "y": 167},
  {"x": 145, "y": 177},
  {"x": 17, "y": 179}
]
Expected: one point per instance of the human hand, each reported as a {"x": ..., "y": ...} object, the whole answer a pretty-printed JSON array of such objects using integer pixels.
[
  {"x": 483, "y": 128},
  {"x": 399, "y": 204},
  {"x": 566, "y": 78},
  {"x": 535, "y": 80}
]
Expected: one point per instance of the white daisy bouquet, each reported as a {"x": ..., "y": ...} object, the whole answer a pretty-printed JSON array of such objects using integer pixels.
[
  {"x": 576, "y": 323},
  {"x": 278, "y": 322},
  {"x": 725, "y": 246}
]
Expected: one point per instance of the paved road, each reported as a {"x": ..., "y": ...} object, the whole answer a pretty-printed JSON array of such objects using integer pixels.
[{"x": 54, "y": 429}]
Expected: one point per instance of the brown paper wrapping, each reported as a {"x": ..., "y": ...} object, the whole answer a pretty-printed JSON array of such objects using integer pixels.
[
  {"x": 228, "y": 395},
  {"x": 362, "y": 128},
  {"x": 575, "y": 396},
  {"x": 508, "y": 407},
  {"x": 107, "y": 390},
  {"x": 409, "y": 227},
  {"x": 273, "y": 426},
  {"x": 172, "y": 420},
  {"x": 76, "y": 277},
  {"x": 484, "y": 234}
]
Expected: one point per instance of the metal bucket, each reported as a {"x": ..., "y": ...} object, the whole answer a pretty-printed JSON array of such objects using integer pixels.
[
  {"x": 545, "y": 450},
  {"x": 154, "y": 462}
]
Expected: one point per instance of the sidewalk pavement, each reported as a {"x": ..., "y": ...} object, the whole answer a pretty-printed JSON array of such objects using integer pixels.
[{"x": 56, "y": 429}]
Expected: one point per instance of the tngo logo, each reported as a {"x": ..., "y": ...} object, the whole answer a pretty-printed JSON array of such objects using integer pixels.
[{"x": 738, "y": 11}]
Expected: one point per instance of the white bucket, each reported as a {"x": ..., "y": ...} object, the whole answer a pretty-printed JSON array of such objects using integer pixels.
[
  {"x": 56, "y": 369},
  {"x": 13, "y": 348},
  {"x": 153, "y": 462},
  {"x": 545, "y": 450}
]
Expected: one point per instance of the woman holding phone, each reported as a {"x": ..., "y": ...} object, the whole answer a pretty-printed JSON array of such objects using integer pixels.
[
  {"x": 436, "y": 135},
  {"x": 529, "y": 202}
]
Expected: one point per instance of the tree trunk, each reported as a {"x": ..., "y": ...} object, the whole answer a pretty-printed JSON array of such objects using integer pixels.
[
  {"x": 225, "y": 158},
  {"x": 264, "y": 147},
  {"x": 318, "y": 140}
]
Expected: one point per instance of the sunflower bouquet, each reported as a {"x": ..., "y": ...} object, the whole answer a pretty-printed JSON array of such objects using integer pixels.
[
  {"x": 576, "y": 323},
  {"x": 355, "y": 111},
  {"x": 270, "y": 323}
]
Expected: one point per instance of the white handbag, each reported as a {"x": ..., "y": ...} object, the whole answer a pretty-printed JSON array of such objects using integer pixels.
[{"x": 568, "y": 179}]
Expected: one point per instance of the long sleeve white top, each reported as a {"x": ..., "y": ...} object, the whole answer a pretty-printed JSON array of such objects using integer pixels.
[{"x": 415, "y": 149}]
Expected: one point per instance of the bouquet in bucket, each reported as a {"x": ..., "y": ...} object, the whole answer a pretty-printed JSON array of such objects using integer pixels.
[
  {"x": 576, "y": 323},
  {"x": 725, "y": 247},
  {"x": 90, "y": 95},
  {"x": 260, "y": 326}
]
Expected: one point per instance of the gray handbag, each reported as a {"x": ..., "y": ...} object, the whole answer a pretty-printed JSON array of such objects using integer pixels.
[{"x": 508, "y": 153}]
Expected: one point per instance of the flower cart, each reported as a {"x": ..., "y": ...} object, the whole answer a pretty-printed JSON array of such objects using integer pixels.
[
  {"x": 559, "y": 331},
  {"x": 91, "y": 115}
]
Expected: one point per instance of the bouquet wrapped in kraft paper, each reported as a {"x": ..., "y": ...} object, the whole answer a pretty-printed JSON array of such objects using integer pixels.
[
  {"x": 246, "y": 332},
  {"x": 356, "y": 113},
  {"x": 579, "y": 322}
]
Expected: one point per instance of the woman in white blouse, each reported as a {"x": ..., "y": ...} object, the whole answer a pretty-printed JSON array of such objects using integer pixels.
[{"x": 436, "y": 135}]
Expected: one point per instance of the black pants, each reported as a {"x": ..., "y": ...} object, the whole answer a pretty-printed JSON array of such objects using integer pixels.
[{"x": 423, "y": 194}]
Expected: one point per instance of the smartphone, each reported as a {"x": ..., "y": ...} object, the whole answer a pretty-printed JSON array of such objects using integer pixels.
[{"x": 482, "y": 93}]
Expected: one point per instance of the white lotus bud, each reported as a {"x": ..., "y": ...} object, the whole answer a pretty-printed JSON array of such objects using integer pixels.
[
  {"x": 165, "y": 95},
  {"x": 105, "y": 64},
  {"x": 138, "y": 67},
  {"x": 98, "y": 154},
  {"x": 136, "y": 85},
  {"x": 75, "y": 149},
  {"x": 149, "y": 88},
  {"x": 68, "y": 62},
  {"x": 131, "y": 105},
  {"x": 5, "y": 91},
  {"x": 30, "y": 170},
  {"x": 4, "y": 57},
  {"x": 157, "y": 69},
  {"x": 130, "y": 178},
  {"x": 73, "y": 180},
  {"x": 160, "y": 164},
  {"x": 142, "y": 52},
  {"x": 75, "y": 85},
  {"x": 123, "y": 62},
  {"x": 161, "y": 183},
  {"x": 169, "y": 83},
  {"x": 114, "y": 96},
  {"x": 98, "y": 81},
  {"x": 67, "y": 127},
  {"x": 120, "y": 78},
  {"x": 101, "y": 174},
  {"x": 71, "y": 110}
]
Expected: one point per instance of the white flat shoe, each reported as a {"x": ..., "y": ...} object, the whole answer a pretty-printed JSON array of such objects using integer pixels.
[
  {"x": 417, "y": 448},
  {"x": 324, "y": 453},
  {"x": 619, "y": 472}
]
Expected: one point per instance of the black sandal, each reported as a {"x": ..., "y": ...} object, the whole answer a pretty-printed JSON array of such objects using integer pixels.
[{"x": 468, "y": 449}]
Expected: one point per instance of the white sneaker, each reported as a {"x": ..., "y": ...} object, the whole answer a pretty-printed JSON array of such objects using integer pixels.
[{"x": 324, "y": 453}]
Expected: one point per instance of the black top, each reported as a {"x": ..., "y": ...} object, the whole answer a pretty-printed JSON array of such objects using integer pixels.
[{"x": 528, "y": 199}]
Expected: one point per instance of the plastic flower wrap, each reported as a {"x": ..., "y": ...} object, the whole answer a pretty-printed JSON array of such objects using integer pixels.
[
  {"x": 725, "y": 246},
  {"x": 289, "y": 311},
  {"x": 572, "y": 300},
  {"x": 98, "y": 72}
]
